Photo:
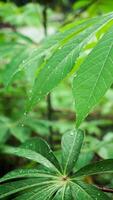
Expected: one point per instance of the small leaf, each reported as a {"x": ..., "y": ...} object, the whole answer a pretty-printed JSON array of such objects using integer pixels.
[
  {"x": 40, "y": 146},
  {"x": 105, "y": 166},
  {"x": 71, "y": 146}
]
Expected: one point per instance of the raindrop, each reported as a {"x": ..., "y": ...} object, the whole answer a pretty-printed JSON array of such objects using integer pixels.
[
  {"x": 75, "y": 75},
  {"x": 25, "y": 113},
  {"x": 30, "y": 91},
  {"x": 22, "y": 125},
  {"x": 59, "y": 48},
  {"x": 71, "y": 133}
]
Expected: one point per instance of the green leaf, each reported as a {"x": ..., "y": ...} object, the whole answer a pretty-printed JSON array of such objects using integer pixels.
[
  {"x": 64, "y": 193},
  {"x": 17, "y": 186},
  {"x": 41, "y": 127},
  {"x": 84, "y": 159},
  {"x": 8, "y": 49},
  {"x": 32, "y": 155},
  {"x": 21, "y": 133},
  {"x": 13, "y": 67},
  {"x": 94, "y": 77},
  {"x": 105, "y": 166},
  {"x": 42, "y": 193},
  {"x": 40, "y": 146},
  {"x": 83, "y": 191},
  {"x": 58, "y": 57},
  {"x": 71, "y": 146},
  {"x": 60, "y": 194},
  {"x": 26, "y": 173}
]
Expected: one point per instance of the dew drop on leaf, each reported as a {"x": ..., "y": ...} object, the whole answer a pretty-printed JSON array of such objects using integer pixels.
[
  {"x": 23, "y": 61},
  {"x": 30, "y": 91},
  {"x": 25, "y": 113}
]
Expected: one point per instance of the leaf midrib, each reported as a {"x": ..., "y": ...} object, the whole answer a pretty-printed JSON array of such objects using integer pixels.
[
  {"x": 81, "y": 44},
  {"x": 66, "y": 165},
  {"x": 101, "y": 71},
  {"x": 26, "y": 187},
  {"x": 83, "y": 190}
]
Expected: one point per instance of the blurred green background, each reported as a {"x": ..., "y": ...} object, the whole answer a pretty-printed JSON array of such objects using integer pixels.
[{"x": 22, "y": 27}]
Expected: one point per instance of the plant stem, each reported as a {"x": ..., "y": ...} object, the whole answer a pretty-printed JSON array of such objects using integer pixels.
[
  {"x": 45, "y": 19},
  {"x": 104, "y": 189},
  {"x": 49, "y": 100}
]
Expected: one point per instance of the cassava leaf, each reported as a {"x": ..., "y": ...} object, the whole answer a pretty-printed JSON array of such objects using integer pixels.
[
  {"x": 13, "y": 67},
  {"x": 83, "y": 191},
  {"x": 94, "y": 77},
  {"x": 105, "y": 166},
  {"x": 40, "y": 146},
  {"x": 60, "y": 194},
  {"x": 31, "y": 155},
  {"x": 71, "y": 146},
  {"x": 42, "y": 193},
  {"x": 17, "y": 186},
  {"x": 60, "y": 58},
  {"x": 26, "y": 173}
]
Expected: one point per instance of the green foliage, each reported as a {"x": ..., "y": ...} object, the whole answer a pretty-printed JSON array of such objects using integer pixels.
[
  {"x": 81, "y": 51},
  {"x": 94, "y": 77},
  {"x": 53, "y": 180},
  {"x": 59, "y": 56},
  {"x": 27, "y": 15}
]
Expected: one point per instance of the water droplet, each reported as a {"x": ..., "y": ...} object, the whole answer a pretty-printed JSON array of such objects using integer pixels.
[
  {"x": 25, "y": 113},
  {"x": 23, "y": 61},
  {"x": 75, "y": 75},
  {"x": 59, "y": 48},
  {"x": 30, "y": 91},
  {"x": 71, "y": 133},
  {"x": 22, "y": 125}
]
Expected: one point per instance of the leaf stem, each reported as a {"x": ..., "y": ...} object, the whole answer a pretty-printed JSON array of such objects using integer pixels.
[
  {"x": 104, "y": 189},
  {"x": 49, "y": 100}
]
